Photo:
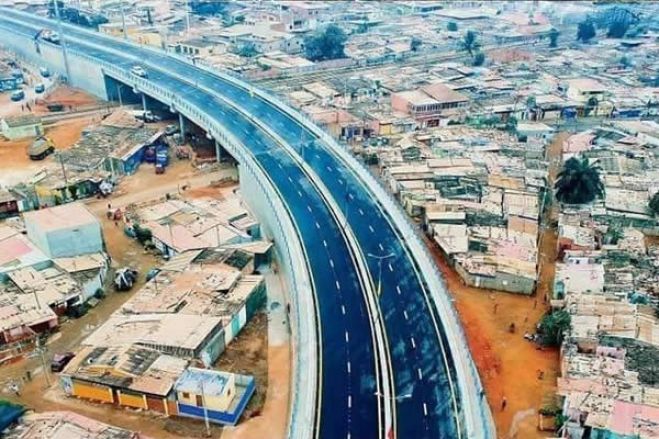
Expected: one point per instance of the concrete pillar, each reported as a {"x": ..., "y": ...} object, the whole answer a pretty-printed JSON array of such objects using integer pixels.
[
  {"x": 218, "y": 151},
  {"x": 181, "y": 123},
  {"x": 144, "y": 102}
]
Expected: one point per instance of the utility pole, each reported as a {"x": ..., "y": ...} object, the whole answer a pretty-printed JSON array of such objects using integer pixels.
[
  {"x": 203, "y": 402},
  {"x": 42, "y": 351},
  {"x": 123, "y": 20},
  {"x": 187, "y": 15},
  {"x": 62, "y": 41},
  {"x": 66, "y": 180}
]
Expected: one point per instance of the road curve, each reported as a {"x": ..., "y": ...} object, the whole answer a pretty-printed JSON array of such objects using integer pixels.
[{"x": 428, "y": 398}]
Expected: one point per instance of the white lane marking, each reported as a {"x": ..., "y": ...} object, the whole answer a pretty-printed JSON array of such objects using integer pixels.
[
  {"x": 352, "y": 197},
  {"x": 405, "y": 314},
  {"x": 381, "y": 247},
  {"x": 347, "y": 337},
  {"x": 371, "y": 229},
  {"x": 325, "y": 243},
  {"x": 317, "y": 225},
  {"x": 338, "y": 286},
  {"x": 348, "y": 366},
  {"x": 361, "y": 212},
  {"x": 329, "y": 168},
  {"x": 332, "y": 263},
  {"x": 425, "y": 409},
  {"x": 343, "y": 310},
  {"x": 398, "y": 289},
  {"x": 309, "y": 208},
  {"x": 340, "y": 181},
  {"x": 390, "y": 267},
  {"x": 299, "y": 193},
  {"x": 290, "y": 179},
  {"x": 418, "y": 371},
  {"x": 349, "y": 401},
  {"x": 413, "y": 342}
]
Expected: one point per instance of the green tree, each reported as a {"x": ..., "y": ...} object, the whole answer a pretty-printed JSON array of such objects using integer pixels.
[
  {"x": 586, "y": 31},
  {"x": 452, "y": 26},
  {"x": 579, "y": 182},
  {"x": 625, "y": 62},
  {"x": 415, "y": 44},
  {"x": 654, "y": 204},
  {"x": 479, "y": 59},
  {"x": 553, "y": 38},
  {"x": 247, "y": 50},
  {"x": 531, "y": 102},
  {"x": 470, "y": 42},
  {"x": 325, "y": 44},
  {"x": 511, "y": 124},
  {"x": 553, "y": 327},
  {"x": 618, "y": 29}
]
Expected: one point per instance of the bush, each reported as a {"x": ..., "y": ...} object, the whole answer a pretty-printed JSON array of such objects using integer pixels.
[
  {"x": 585, "y": 31},
  {"x": 654, "y": 204},
  {"x": 452, "y": 26},
  {"x": 479, "y": 59},
  {"x": 553, "y": 327}
]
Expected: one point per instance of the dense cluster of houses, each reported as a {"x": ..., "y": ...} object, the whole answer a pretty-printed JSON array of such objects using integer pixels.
[
  {"x": 607, "y": 279},
  {"x": 478, "y": 194}
]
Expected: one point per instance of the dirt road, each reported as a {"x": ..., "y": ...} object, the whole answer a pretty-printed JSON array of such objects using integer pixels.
[{"x": 509, "y": 365}]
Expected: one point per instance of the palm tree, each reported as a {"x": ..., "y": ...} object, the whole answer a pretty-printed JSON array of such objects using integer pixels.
[
  {"x": 579, "y": 182},
  {"x": 470, "y": 42}
]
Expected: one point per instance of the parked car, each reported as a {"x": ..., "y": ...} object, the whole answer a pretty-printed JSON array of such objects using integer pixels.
[
  {"x": 41, "y": 148},
  {"x": 125, "y": 278},
  {"x": 44, "y": 72},
  {"x": 170, "y": 130},
  {"x": 139, "y": 71},
  {"x": 60, "y": 361},
  {"x": 17, "y": 95},
  {"x": 39, "y": 88}
]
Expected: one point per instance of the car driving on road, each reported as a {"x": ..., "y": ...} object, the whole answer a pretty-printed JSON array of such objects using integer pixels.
[{"x": 138, "y": 71}]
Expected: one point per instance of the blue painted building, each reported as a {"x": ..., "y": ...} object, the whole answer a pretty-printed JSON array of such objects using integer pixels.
[{"x": 219, "y": 396}]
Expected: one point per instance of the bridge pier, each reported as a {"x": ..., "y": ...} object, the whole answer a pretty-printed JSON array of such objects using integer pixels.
[
  {"x": 181, "y": 124},
  {"x": 144, "y": 107}
]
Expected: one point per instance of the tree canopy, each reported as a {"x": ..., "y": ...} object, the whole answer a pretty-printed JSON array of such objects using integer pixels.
[
  {"x": 579, "y": 182},
  {"x": 247, "y": 50},
  {"x": 553, "y": 38},
  {"x": 586, "y": 31},
  {"x": 654, "y": 204},
  {"x": 415, "y": 44},
  {"x": 325, "y": 44},
  {"x": 470, "y": 42},
  {"x": 618, "y": 29},
  {"x": 553, "y": 327}
]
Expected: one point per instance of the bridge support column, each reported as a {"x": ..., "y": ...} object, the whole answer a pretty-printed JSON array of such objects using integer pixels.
[
  {"x": 218, "y": 151},
  {"x": 144, "y": 103},
  {"x": 181, "y": 124}
]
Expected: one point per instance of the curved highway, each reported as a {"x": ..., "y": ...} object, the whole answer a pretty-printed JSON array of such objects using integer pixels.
[{"x": 428, "y": 399}]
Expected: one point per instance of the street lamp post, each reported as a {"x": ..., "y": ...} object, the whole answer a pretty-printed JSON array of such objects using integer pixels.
[
  {"x": 380, "y": 258},
  {"x": 62, "y": 41}
]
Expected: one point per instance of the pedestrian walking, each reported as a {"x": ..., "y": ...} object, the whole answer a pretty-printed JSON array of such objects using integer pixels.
[
  {"x": 504, "y": 403},
  {"x": 496, "y": 306}
]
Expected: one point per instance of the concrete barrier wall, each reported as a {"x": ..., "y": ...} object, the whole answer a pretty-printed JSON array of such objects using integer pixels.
[{"x": 85, "y": 74}]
